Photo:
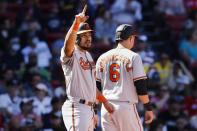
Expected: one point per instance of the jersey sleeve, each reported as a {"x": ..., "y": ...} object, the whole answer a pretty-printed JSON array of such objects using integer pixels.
[
  {"x": 65, "y": 59},
  {"x": 98, "y": 70},
  {"x": 138, "y": 69}
]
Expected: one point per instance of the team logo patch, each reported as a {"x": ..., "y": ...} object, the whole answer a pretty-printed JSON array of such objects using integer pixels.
[{"x": 86, "y": 65}]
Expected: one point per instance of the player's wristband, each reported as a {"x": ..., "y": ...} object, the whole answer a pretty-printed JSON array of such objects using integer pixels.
[
  {"x": 76, "y": 26},
  {"x": 101, "y": 98},
  {"x": 148, "y": 106}
]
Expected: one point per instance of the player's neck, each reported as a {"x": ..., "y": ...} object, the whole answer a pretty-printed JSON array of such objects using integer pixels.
[
  {"x": 81, "y": 49},
  {"x": 121, "y": 46}
]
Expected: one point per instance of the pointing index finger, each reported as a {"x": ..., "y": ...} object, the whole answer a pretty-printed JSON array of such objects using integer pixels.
[{"x": 84, "y": 9}]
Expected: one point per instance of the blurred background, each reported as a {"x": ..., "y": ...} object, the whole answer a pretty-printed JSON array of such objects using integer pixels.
[{"x": 32, "y": 87}]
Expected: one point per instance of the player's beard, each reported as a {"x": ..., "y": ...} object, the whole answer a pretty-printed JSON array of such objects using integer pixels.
[{"x": 84, "y": 47}]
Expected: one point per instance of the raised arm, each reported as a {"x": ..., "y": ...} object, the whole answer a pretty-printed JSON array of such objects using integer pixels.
[{"x": 72, "y": 33}]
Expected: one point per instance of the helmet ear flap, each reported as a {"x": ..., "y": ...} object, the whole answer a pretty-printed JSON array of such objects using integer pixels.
[{"x": 78, "y": 40}]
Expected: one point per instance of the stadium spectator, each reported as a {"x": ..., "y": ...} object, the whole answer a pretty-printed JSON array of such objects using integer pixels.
[
  {"x": 188, "y": 51},
  {"x": 56, "y": 49},
  {"x": 164, "y": 68},
  {"x": 53, "y": 21},
  {"x": 7, "y": 75},
  {"x": 108, "y": 27},
  {"x": 41, "y": 101},
  {"x": 169, "y": 7},
  {"x": 188, "y": 47},
  {"x": 10, "y": 101},
  {"x": 172, "y": 114},
  {"x": 26, "y": 120},
  {"x": 13, "y": 59},
  {"x": 160, "y": 99},
  {"x": 190, "y": 102},
  {"x": 126, "y": 11},
  {"x": 144, "y": 50},
  {"x": 179, "y": 78},
  {"x": 41, "y": 50},
  {"x": 53, "y": 120}
]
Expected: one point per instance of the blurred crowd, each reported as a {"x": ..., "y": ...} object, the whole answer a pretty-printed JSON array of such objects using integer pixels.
[{"x": 32, "y": 86}]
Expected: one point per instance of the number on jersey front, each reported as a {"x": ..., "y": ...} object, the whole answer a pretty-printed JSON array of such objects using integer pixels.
[{"x": 114, "y": 74}]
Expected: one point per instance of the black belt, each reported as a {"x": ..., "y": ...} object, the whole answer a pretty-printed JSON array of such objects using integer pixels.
[{"x": 89, "y": 103}]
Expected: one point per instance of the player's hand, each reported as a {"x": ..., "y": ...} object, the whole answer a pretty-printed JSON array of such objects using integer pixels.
[
  {"x": 96, "y": 121},
  {"x": 81, "y": 17},
  {"x": 108, "y": 106},
  {"x": 149, "y": 116}
]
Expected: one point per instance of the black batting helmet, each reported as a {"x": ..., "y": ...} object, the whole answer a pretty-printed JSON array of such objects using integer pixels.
[
  {"x": 124, "y": 31},
  {"x": 84, "y": 27}
]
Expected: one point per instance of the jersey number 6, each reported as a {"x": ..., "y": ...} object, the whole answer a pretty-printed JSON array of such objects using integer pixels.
[{"x": 114, "y": 74}]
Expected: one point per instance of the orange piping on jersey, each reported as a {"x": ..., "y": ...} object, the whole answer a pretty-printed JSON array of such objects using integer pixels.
[
  {"x": 138, "y": 78},
  {"x": 101, "y": 69},
  {"x": 137, "y": 117},
  {"x": 73, "y": 117}
]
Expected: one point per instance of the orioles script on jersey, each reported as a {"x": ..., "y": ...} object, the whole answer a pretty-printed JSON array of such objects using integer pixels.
[{"x": 86, "y": 65}]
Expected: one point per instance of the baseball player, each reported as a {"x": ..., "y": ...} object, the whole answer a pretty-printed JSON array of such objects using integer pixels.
[
  {"x": 79, "y": 71},
  {"x": 121, "y": 74}
]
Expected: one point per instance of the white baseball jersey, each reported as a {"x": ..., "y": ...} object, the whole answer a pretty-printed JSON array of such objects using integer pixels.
[
  {"x": 117, "y": 70},
  {"x": 79, "y": 71}
]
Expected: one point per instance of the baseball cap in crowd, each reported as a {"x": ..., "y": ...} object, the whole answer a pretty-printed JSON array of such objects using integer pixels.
[
  {"x": 13, "y": 82},
  {"x": 41, "y": 86},
  {"x": 83, "y": 28},
  {"x": 59, "y": 91},
  {"x": 124, "y": 31},
  {"x": 26, "y": 101}
]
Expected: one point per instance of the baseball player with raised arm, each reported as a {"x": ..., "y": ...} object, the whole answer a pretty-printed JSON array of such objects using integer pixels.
[
  {"x": 79, "y": 71},
  {"x": 121, "y": 74}
]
